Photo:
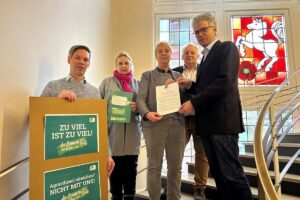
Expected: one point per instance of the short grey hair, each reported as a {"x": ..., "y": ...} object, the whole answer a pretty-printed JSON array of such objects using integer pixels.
[
  {"x": 162, "y": 43},
  {"x": 190, "y": 44},
  {"x": 205, "y": 17}
]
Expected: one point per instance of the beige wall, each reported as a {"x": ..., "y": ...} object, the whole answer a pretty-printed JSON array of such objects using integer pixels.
[
  {"x": 134, "y": 32},
  {"x": 35, "y": 36},
  {"x": 1, "y": 128}
]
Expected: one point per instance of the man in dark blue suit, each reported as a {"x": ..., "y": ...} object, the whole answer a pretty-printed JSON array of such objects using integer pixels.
[{"x": 217, "y": 109}]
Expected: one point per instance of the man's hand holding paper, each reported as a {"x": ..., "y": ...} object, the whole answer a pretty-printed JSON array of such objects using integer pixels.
[{"x": 168, "y": 98}]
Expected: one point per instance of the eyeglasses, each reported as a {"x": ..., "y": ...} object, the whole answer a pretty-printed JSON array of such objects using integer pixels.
[{"x": 202, "y": 30}]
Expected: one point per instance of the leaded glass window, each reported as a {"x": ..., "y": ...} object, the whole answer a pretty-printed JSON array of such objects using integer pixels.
[
  {"x": 178, "y": 32},
  {"x": 261, "y": 41}
]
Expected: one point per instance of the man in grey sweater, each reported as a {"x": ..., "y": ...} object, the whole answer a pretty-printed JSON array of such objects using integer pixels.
[{"x": 75, "y": 85}]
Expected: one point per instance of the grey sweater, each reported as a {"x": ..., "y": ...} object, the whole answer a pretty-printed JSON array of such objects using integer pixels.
[
  {"x": 124, "y": 139},
  {"x": 82, "y": 90}
]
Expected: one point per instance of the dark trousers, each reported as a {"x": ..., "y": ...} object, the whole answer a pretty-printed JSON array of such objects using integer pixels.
[
  {"x": 123, "y": 177},
  {"x": 223, "y": 157}
]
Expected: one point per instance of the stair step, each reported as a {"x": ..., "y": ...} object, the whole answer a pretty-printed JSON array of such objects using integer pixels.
[
  {"x": 247, "y": 159},
  {"x": 285, "y": 149},
  {"x": 291, "y": 138},
  {"x": 187, "y": 179},
  {"x": 289, "y": 185},
  {"x": 143, "y": 195}
]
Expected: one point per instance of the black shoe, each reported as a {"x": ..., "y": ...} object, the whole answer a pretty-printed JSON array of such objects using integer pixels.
[
  {"x": 199, "y": 194},
  {"x": 163, "y": 195}
]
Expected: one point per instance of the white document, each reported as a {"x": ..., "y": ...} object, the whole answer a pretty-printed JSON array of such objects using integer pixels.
[{"x": 167, "y": 98}]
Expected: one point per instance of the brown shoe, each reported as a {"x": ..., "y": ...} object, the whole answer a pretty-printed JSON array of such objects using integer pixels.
[{"x": 199, "y": 194}]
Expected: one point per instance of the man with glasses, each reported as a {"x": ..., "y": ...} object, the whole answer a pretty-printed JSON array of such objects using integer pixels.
[{"x": 217, "y": 109}]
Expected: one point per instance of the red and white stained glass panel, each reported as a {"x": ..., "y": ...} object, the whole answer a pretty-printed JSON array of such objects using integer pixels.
[{"x": 261, "y": 41}]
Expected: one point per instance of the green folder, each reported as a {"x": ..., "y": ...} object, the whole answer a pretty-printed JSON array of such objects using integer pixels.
[{"x": 119, "y": 110}]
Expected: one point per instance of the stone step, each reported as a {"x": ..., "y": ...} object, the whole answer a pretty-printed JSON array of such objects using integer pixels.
[
  {"x": 187, "y": 181},
  {"x": 290, "y": 184},
  {"x": 285, "y": 149},
  {"x": 291, "y": 138},
  {"x": 143, "y": 195},
  {"x": 247, "y": 159}
]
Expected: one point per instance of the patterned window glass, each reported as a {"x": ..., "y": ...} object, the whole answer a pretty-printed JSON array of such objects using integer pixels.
[
  {"x": 250, "y": 118},
  {"x": 164, "y": 29},
  {"x": 178, "y": 32},
  {"x": 261, "y": 41}
]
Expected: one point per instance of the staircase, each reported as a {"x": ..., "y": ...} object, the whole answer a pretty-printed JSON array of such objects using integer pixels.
[
  {"x": 290, "y": 185},
  {"x": 282, "y": 106}
]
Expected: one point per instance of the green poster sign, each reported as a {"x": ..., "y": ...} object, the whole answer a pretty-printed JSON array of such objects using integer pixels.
[
  {"x": 73, "y": 183},
  {"x": 68, "y": 135},
  {"x": 119, "y": 110}
]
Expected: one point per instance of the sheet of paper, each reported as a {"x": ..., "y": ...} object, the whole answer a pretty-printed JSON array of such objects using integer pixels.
[
  {"x": 167, "y": 98},
  {"x": 119, "y": 100}
]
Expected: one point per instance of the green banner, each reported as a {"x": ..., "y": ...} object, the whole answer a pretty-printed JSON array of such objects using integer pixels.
[
  {"x": 119, "y": 110},
  {"x": 73, "y": 183},
  {"x": 68, "y": 135}
]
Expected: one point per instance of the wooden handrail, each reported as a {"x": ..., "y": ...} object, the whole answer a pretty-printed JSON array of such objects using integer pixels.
[{"x": 261, "y": 165}]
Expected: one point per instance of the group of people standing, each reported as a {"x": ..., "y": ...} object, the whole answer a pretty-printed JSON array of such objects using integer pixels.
[{"x": 210, "y": 112}]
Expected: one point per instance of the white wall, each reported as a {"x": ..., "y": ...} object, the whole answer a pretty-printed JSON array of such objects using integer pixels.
[{"x": 35, "y": 36}]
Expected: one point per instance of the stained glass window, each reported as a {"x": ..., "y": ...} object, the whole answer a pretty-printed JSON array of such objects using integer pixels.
[
  {"x": 261, "y": 41},
  {"x": 178, "y": 32}
]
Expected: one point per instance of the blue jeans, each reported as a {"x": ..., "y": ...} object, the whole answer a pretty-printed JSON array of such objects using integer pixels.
[{"x": 223, "y": 157}]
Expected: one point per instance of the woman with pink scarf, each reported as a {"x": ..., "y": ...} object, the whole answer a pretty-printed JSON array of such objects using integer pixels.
[{"x": 124, "y": 138}]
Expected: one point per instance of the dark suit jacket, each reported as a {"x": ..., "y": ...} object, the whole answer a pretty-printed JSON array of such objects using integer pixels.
[
  {"x": 187, "y": 95},
  {"x": 217, "y": 100},
  {"x": 180, "y": 69}
]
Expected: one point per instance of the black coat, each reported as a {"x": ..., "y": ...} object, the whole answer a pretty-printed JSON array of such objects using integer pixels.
[
  {"x": 217, "y": 101},
  {"x": 187, "y": 95}
]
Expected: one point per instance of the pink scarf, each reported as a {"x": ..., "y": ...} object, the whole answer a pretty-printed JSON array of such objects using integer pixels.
[{"x": 124, "y": 79}]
